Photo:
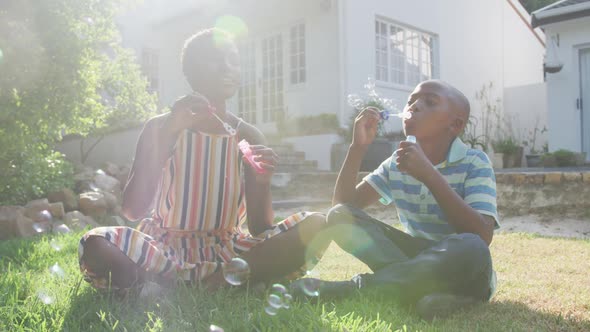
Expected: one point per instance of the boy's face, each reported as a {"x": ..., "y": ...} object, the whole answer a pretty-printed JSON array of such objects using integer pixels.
[
  {"x": 217, "y": 71},
  {"x": 433, "y": 114}
]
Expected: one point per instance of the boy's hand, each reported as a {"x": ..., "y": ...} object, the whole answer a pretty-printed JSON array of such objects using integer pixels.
[
  {"x": 365, "y": 127},
  {"x": 268, "y": 160},
  {"x": 412, "y": 160}
]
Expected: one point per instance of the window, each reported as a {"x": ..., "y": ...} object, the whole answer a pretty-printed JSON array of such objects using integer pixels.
[
  {"x": 149, "y": 67},
  {"x": 247, "y": 92},
  {"x": 402, "y": 55},
  {"x": 297, "y": 54}
]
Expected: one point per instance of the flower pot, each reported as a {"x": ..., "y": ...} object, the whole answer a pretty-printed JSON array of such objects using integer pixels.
[
  {"x": 533, "y": 160},
  {"x": 497, "y": 160}
]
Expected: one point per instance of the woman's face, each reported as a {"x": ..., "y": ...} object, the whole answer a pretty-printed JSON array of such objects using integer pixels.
[{"x": 216, "y": 73}]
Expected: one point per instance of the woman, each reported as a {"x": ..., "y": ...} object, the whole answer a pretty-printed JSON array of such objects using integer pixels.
[{"x": 189, "y": 178}]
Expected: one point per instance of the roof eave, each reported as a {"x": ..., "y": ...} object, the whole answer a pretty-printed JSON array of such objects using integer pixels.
[{"x": 548, "y": 19}]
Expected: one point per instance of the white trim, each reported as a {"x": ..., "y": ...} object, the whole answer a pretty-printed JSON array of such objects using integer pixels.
[{"x": 548, "y": 12}]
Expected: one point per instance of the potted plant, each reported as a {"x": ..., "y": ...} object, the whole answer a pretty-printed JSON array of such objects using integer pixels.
[
  {"x": 511, "y": 151},
  {"x": 533, "y": 157}
]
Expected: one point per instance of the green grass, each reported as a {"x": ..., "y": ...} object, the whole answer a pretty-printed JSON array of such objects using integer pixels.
[{"x": 543, "y": 285}]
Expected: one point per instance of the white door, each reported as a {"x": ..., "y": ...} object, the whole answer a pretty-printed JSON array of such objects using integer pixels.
[
  {"x": 247, "y": 95},
  {"x": 584, "y": 102},
  {"x": 260, "y": 99},
  {"x": 272, "y": 78}
]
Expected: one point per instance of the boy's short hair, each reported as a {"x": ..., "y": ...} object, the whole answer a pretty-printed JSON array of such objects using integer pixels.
[{"x": 197, "y": 43}]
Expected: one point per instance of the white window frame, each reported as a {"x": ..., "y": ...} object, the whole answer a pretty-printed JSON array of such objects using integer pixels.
[
  {"x": 297, "y": 54},
  {"x": 150, "y": 59},
  {"x": 415, "y": 62}
]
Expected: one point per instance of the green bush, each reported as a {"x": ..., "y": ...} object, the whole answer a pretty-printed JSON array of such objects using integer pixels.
[
  {"x": 564, "y": 158},
  {"x": 33, "y": 176},
  {"x": 308, "y": 125}
]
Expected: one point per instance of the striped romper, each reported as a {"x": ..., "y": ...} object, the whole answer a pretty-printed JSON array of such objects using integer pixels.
[{"x": 200, "y": 210}]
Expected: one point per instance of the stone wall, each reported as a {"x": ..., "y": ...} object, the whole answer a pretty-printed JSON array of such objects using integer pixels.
[{"x": 519, "y": 193}]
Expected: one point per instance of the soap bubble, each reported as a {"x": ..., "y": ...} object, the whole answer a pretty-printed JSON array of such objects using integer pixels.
[
  {"x": 45, "y": 298},
  {"x": 41, "y": 227},
  {"x": 215, "y": 328},
  {"x": 236, "y": 272},
  {"x": 57, "y": 271},
  {"x": 62, "y": 229},
  {"x": 287, "y": 301},
  {"x": 275, "y": 301},
  {"x": 271, "y": 310},
  {"x": 310, "y": 286},
  {"x": 44, "y": 216},
  {"x": 56, "y": 246}
]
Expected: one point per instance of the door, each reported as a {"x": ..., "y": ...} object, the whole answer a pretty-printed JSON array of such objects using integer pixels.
[
  {"x": 584, "y": 101},
  {"x": 272, "y": 78}
]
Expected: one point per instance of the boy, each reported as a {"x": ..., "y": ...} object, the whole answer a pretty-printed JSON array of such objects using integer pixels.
[{"x": 445, "y": 195}]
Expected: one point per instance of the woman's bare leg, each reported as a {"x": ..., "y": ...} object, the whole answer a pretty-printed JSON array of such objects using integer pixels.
[
  {"x": 106, "y": 260},
  {"x": 287, "y": 252}
]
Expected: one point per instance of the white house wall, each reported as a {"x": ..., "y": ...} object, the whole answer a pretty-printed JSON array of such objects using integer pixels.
[
  {"x": 564, "y": 86},
  {"x": 478, "y": 42}
]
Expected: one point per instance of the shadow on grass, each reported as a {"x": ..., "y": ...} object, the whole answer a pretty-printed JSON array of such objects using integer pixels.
[{"x": 189, "y": 309}]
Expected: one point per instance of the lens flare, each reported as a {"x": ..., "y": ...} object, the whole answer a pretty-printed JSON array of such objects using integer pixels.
[{"x": 233, "y": 25}]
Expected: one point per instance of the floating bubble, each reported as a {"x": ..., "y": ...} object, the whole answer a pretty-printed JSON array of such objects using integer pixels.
[
  {"x": 312, "y": 273},
  {"x": 236, "y": 272},
  {"x": 310, "y": 286},
  {"x": 93, "y": 187},
  {"x": 215, "y": 328},
  {"x": 56, "y": 246},
  {"x": 287, "y": 301},
  {"x": 271, "y": 310},
  {"x": 89, "y": 20},
  {"x": 275, "y": 301},
  {"x": 45, "y": 216},
  {"x": 1, "y": 55},
  {"x": 62, "y": 229},
  {"x": 278, "y": 289},
  {"x": 355, "y": 101},
  {"x": 44, "y": 297},
  {"x": 41, "y": 227},
  {"x": 100, "y": 172},
  {"x": 57, "y": 271}
]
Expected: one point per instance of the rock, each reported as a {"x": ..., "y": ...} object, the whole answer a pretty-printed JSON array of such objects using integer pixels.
[
  {"x": 13, "y": 223},
  {"x": 123, "y": 175},
  {"x": 93, "y": 204},
  {"x": 57, "y": 210},
  {"x": 106, "y": 182},
  {"x": 66, "y": 196},
  {"x": 77, "y": 220},
  {"x": 111, "y": 200},
  {"x": 33, "y": 209},
  {"x": 110, "y": 169}
]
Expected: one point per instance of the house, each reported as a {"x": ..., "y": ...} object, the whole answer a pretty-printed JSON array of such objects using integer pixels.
[
  {"x": 304, "y": 57},
  {"x": 567, "y": 66}
]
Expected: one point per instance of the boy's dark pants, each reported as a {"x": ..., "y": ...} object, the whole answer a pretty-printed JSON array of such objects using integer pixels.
[{"x": 411, "y": 267}]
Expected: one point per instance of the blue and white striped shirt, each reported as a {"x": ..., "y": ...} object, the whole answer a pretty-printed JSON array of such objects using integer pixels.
[{"x": 468, "y": 171}]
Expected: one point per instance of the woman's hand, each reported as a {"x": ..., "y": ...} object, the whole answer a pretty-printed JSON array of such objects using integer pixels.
[
  {"x": 186, "y": 112},
  {"x": 268, "y": 160}
]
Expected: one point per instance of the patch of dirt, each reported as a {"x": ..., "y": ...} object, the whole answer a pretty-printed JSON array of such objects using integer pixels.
[{"x": 572, "y": 225}]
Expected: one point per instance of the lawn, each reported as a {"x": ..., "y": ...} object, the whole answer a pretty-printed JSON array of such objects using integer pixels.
[{"x": 543, "y": 285}]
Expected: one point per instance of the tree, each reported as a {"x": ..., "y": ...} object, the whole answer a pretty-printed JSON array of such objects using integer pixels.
[
  {"x": 532, "y": 5},
  {"x": 63, "y": 71}
]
